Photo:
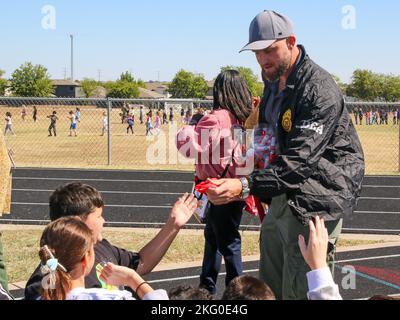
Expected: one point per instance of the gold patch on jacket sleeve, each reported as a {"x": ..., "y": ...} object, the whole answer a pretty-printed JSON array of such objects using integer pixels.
[{"x": 287, "y": 121}]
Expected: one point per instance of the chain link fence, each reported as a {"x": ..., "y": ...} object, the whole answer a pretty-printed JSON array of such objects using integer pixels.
[
  {"x": 377, "y": 125},
  {"x": 104, "y": 138}
]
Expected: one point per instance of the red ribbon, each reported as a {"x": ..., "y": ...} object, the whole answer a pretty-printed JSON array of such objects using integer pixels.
[{"x": 202, "y": 187}]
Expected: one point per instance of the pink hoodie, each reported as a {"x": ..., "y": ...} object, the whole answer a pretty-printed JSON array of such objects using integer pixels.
[{"x": 215, "y": 152}]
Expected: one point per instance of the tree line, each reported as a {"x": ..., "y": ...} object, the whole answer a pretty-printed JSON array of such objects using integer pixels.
[
  {"x": 370, "y": 86},
  {"x": 34, "y": 81}
]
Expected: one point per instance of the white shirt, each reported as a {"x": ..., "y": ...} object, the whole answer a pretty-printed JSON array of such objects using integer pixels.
[
  {"x": 321, "y": 285},
  {"x": 104, "y": 294}
]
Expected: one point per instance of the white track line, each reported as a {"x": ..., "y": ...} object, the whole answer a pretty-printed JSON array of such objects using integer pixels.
[
  {"x": 145, "y": 171},
  {"x": 24, "y": 220},
  {"x": 169, "y": 207},
  {"x": 376, "y": 212},
  {"x": 107, "y": 205},
  {"x": 108, "y": 180},
  {"x": 377, "y": 186},
  {"x": 377, "y": 198},
  {"x": 383, "y": 230},
  {"x": 120, "y": 223},
  {"x": 197, "y": 224},
  {"x": 171, "y": 193},
  {"x": 104, "y": 170},
  {"x": 153, "y": 181},
  {"x": 110, "y": 192},
  {"x": 369, "y": 258},
  {"x": 369, "y": 177}
]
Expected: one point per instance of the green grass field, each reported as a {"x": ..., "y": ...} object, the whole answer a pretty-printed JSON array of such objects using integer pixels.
[
  {"x": 381, "y": 148},
  {"x": 33, "y": 148}
]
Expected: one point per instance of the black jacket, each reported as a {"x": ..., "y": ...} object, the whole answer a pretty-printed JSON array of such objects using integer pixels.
[{"x": 320, "y": 165}]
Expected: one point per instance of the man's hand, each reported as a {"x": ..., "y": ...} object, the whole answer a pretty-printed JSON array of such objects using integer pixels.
[
  {"x": 227, "y": 190},
  {"x": 183, "y": 209},
  {"x": 316, "y": 251}
]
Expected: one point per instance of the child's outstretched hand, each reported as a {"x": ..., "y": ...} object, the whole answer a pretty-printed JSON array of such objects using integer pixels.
[
  {"x": 116, "y": 275},
  {"x": 183, "y": 209},
  {"x": 316, "y": 251},
  {"x": 122, "y": 276}
]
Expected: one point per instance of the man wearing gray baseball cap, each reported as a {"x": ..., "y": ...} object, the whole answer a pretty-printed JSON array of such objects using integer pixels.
[
  {"x": 266, "y": 28},
  {"x": 319, "y": 164}
]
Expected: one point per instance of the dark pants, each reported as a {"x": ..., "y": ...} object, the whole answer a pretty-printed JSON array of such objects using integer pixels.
[
  {"x": 222, "y": 238},
  {"x": 52, "y": 127},
  {"x": 130, "y": 127}
]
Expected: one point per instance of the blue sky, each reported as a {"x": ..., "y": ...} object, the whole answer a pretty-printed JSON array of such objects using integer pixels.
[{"x": 154, "y": 39}]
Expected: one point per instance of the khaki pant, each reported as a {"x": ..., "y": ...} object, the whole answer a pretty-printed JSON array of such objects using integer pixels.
[
  {"x": 282, "y": 266},
  {"x": 3, "y": 273}
]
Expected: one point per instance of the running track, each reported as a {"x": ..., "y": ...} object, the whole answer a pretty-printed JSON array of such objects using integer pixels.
[{"x": 144, "y": 198}]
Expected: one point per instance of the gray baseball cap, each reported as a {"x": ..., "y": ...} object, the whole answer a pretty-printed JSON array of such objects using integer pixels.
[{"x": 267, "y": 27}]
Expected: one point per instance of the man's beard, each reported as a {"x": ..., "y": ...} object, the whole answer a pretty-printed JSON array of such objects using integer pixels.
[{"x": 282, "y": 69}]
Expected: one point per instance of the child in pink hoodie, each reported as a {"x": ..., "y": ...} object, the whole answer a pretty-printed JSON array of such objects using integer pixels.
[{"x": 210, "y": 142}]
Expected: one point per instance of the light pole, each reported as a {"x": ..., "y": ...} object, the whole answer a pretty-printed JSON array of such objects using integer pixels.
[{"x": 72, "y": 57}]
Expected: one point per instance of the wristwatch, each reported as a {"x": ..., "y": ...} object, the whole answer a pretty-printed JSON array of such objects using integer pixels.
[{"x": 245, "y": 188}]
